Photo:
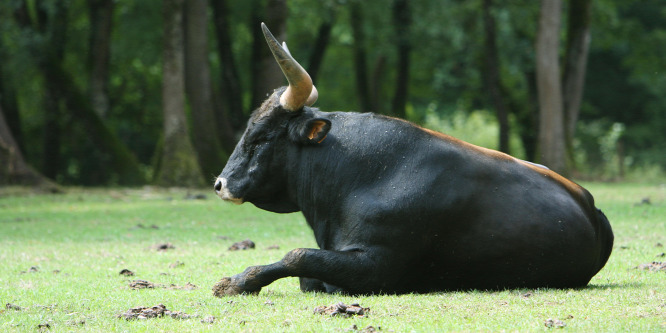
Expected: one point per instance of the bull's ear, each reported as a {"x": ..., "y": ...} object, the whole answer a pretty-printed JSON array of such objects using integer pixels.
[{"x": 310, "y": 131}]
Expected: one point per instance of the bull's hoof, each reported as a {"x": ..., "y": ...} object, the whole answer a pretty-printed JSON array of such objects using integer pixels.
[{"x": 228, "y": 287}]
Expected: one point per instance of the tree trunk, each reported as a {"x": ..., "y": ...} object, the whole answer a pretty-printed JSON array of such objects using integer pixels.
[
  {"x": 178, "y": 165},
  {"x": 551, "y": 124},
  {"x": 230, "y": 117},
  {"x": 402, "y": 21},
  {"x": 54, "y": 29},
  {"x": 266, "y": 74},
  {"x": 101, "y": 22},
  {"x": 13, "y": 168},
  {"x": 199, "y": 90},
  {"x": 575, "y": 63},
  {"x": 492, "y": 76},
  {"x": 8, "y": 100},
  {"x": 319, "y": 47},
  {"x": 529, "y": 118},
  {"x": 51, "y": 156},
  {"x": 377, "y": 80},
  {"x": 360, "y": 57}
]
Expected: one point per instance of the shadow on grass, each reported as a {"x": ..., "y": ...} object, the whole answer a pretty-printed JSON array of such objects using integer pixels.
[{"x": 627, "y": 285}]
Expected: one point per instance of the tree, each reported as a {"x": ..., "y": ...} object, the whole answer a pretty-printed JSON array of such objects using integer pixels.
[
  {"x": 266, "y": 74},
  {"x": 551, "y": 145},
  {"x": 101, "y": 23},
  {"x": 230, "y": 117},
  {"x": 177, "y": 162},
  {"x": 360, "y": 57},
  {"x": 575, "y": 64},
  {"x": 8, "y": 99},
  {"x": 47, "y": 48},
  {"x": 210, "y": 154},
  {"x": 13, "y": 168},
  {"x": 492, "y": 75},
  {"x": 320, "y": 45},
  {"x": 401, "y": 21}
]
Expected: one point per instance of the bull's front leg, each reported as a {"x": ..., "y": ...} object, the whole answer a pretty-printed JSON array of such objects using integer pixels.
[{"x": 338, "y": 268}]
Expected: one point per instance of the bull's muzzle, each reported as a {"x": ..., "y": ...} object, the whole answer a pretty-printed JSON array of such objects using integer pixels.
[{"x": 223, "y": 192}]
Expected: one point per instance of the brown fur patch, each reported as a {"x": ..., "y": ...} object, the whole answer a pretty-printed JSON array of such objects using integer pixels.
[{"x": 570, "y": 186}]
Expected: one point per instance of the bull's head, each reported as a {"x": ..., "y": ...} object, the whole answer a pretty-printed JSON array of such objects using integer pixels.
[{"x": 256, "y": 170}]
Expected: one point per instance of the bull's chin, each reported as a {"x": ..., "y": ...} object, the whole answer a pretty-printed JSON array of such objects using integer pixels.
[
  {"x": 276, "y": 207},
  {"x": 235, "y": 201}
]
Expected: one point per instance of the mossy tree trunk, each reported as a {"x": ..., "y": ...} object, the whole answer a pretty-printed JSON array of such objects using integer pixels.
[
  {"x": 13, "y": 168},
  {"x": 178, "y": 164}
]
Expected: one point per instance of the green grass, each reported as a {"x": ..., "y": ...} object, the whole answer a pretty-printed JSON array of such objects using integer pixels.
[{"x": 89, "y": 236}]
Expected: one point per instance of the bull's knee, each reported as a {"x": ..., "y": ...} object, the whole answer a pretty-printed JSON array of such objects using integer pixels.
[{"x": 293, "y": 258}]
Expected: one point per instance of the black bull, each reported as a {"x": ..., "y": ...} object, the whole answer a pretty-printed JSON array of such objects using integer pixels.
[{"x": 396, "y": 208}]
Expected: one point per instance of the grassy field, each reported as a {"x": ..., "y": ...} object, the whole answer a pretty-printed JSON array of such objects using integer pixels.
[{"x": 61, "y": 255}]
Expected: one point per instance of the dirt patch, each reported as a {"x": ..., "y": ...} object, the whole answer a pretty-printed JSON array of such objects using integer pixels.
[
  {"x": 208, "y": 320},
  {"x": 653, "y": 266},
  {"x": 156, "y": 311},
  {"x": 342, "y": 310},
  {"x": 126, "y": 272},
  {"x": 176, "y": 264},
  {"x": 554, "y": 323},
  {"x": 10, "y": 306},
  {"x": 33, "y": 269},
  {"x": 141, "y": 226},
  {"x": 187, "y": 286},
  {"x": 368, "y": 329},
  {"x": 273, "y": 247},
  {"x": 243, "y": 245},
  {"x": 163, "y": 247},
  {"x": 141, "y": 284}
]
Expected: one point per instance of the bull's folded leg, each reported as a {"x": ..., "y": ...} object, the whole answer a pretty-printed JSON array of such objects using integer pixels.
[
  {"x": 353, "y": 272},
  {"x": 311, "y": 285}
]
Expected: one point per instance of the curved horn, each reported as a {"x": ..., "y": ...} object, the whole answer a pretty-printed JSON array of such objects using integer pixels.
[{"x": 300, "y": 88}]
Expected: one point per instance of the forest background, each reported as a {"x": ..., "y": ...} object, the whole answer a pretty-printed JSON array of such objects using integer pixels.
[{"x": 104, "y": 92}]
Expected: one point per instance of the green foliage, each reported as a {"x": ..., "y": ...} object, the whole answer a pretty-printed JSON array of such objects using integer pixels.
[
  {"x": 624, "y": 84},
  {"x": 478, "y": 127},
  {"x": 626, "y": 78},
  {"x": 81, "y": 240}
]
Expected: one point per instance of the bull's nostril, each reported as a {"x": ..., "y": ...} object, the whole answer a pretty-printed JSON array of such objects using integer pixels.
[{"x": 218, "y": 185}]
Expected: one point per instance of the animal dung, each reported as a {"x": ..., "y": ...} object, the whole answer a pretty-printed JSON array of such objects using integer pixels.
[
  {"x": 341, "y": 309},
  {"x": 156, "y": 311},
  {"x": 242, "y": 245}
]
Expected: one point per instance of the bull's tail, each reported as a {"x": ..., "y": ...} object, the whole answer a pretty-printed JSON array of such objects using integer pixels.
[{"x": 605, "y": 238}]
